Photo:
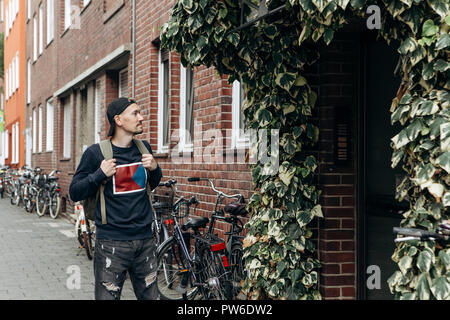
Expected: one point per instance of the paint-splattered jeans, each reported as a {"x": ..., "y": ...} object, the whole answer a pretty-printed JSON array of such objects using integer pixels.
[{"x": 112, "y": 260}]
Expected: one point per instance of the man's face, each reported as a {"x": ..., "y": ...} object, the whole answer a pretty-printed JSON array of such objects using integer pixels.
[{"x": 131, "y": 119}]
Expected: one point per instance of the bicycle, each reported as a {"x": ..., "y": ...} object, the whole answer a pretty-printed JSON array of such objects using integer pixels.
[
  {"x": 31, "y": 190},
  {"x": 442, "y": 235},
  {"x": 84, "y": 230},
  {"x": 233, "y": 250},
  {"x": 48, "y": 196},
  {"x": 185, "y": 276},
  {"x": 161, "y": 221}
]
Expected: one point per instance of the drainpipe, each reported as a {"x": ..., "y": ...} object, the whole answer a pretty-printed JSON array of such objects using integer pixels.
[{"x": 133, "y": 40}]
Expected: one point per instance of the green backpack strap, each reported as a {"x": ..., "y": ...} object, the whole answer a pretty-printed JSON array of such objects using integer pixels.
[
  {"x": 106, "y": 148},
  {"x": 143, "y": 149}
]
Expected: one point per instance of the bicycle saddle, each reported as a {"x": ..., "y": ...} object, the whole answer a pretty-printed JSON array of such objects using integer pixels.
[
  {"x": 236, "y": 209},
  {"x": 195, "y": 223}
]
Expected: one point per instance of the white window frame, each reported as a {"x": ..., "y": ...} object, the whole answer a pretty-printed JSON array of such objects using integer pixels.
[
  {"x": 50, "y": 20},
  {"x": 67, "y": 18},
  {"x": 28, "y": 10},
  {"x": 67, "y": 144},
  {"x": 86, "y": 2},
  {"x": 17, "y": 141},
  {"x": 34, "y": 131},
  {"x": 29, "y": 81},
  {"x": 161, "y": 148},
  {"x": 239, "y": 138},
  {"x": 41, "y": 28},
  {"x": 35, "y": 38},
  {"x": 2, "y": 9},
  {"x": 17, "y": 70},
  {"x": 6, "y": 84},
  {"x": 183, "y": 145},
  {"x": 40, "y": 130},
  {"x": 121, "y": 88},
  {"x": 13, "y": 144},
  {"x": 97, "y": 115},
  {"x": 6, "y": 137},
  {"x": 50, "y": 121}
]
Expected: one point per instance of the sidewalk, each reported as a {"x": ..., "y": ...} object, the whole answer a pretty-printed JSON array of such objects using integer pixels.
[{"x": 41, "y": 260}]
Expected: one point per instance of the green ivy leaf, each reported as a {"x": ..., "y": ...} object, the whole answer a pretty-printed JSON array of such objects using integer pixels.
[
  {"x": 441, "y": 7},
  {"x": 234, "y": 38},
  {"x": 429, "y": 29},
  {"x": 423, "y": 287},
  {"x": 441, "y": 65},
  {"x": 424, "y": 261},
  {"x": 286, "y": 80},
  {"x": 441, "y": 288},
  {"x": 443, "y": 42},
  {"x": 444, "y": 161}
]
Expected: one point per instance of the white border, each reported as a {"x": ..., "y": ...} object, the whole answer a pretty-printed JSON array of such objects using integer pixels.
[{"x": 125, "y": 192}]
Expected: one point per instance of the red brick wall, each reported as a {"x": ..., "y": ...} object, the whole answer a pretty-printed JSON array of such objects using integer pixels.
[{"x": 69, "y": 54}]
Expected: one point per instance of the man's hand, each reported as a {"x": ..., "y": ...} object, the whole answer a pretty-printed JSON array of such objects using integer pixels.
[
  {"x": 108, "y": 167},
  {"x": 148, "y": 162}
]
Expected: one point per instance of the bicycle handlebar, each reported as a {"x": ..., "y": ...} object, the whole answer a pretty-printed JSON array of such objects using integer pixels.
[
  {"x": 417, "y": 234},
  {"x": 237, "y": 195}
]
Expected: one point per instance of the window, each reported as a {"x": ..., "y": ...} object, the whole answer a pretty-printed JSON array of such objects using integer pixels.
[
  {"x": 13, "y": 75},
  {"x": 16, "y": 141},
  {"x": 186, "y": 109},
  {"x": 123, "y": 83},
  {"x": 49, "y": 125},
  {"x": 28, "y": 10},
  {"x": 28, "y": 81},
  {"x": 67, "y": 18},
  {"x": 97, "y": 115},
  {"x": 35, "y": 38},
  {"x": 67, "y": 130},
  {"x": 34, "y": 131},
  {"x": 50, "y": 20},
  {"x": 163, "y": 102},
  {"x": 2, "y": 9},
  {"x": 13, "y": 144},
  {"x": 239, "y": 138},
  {"x": 17, "y": 70},
  {"x": 86, "y": 2},
  {"x": 40, "y": 129},
  {"x": 6, "y": 144},
  {"x": 6, "y": 84},
  {"x": 41, "y": 29}
]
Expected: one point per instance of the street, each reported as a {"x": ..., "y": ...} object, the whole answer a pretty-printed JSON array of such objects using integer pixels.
[{"x": 40, "y": 259}]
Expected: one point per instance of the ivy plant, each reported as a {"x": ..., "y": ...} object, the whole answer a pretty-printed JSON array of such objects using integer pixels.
[{"x": 269, "y": 57}]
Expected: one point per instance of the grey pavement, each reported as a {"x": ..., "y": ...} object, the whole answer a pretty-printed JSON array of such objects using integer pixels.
[{"x": 40, "y": 259}]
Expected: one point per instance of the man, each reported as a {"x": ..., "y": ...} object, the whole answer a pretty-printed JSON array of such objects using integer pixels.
[{"x": 125, "y": 242}]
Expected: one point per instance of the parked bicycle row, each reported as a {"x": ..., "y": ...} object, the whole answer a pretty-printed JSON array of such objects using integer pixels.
[
  {"x": 193, "y": 261},
  {"x": 36, "y": 190}
]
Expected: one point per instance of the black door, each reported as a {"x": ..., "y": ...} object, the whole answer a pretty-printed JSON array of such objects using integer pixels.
[{"x": 378, "y": 211}]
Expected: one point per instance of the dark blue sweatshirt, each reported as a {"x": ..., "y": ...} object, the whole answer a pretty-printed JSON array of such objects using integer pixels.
[{"x": 128, "y": 210}]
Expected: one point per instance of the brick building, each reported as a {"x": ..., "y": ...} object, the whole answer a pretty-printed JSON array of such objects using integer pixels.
[
  {"x": 77, "y": 62},
  {"x": 111, "y": 48},
  {"x": 14, "y": 89}
]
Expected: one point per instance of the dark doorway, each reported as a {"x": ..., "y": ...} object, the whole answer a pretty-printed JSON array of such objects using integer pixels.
[{"x": 378, "y": 211}]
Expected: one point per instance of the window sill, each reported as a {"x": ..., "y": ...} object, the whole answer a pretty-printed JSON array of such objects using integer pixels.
[
  {"x": 112, "y": 11},
  {"x": 64, "y": 159},
  {"x": 161, "y": 155},
  {"x": 84, "y": 8},
  {"x": 48, "y": 44},
  {"x": 65, "y": 31}
]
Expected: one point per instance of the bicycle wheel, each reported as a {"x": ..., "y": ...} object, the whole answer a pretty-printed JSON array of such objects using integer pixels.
[
  {"x": 174, "y": 277},
  {"x": 41, "y": 203},
  {"x": 214, "y": 274},
  {"x": 79, "y": 233},
  {"x": 14, "y": 197},
  {"x": 55, "y": 204},
  {"x": 237, "y": 267}
]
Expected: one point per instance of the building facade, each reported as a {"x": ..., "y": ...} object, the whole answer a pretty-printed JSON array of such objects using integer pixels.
[
  {"x": 14, "y": 88},
  {"x": 79, "y": 62}
]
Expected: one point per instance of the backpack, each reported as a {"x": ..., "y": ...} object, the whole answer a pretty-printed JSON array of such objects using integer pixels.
[{"x": 90, "y": 204}]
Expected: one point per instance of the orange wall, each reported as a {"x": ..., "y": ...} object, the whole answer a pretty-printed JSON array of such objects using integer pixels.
[{"x": 15, "y": 105}]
